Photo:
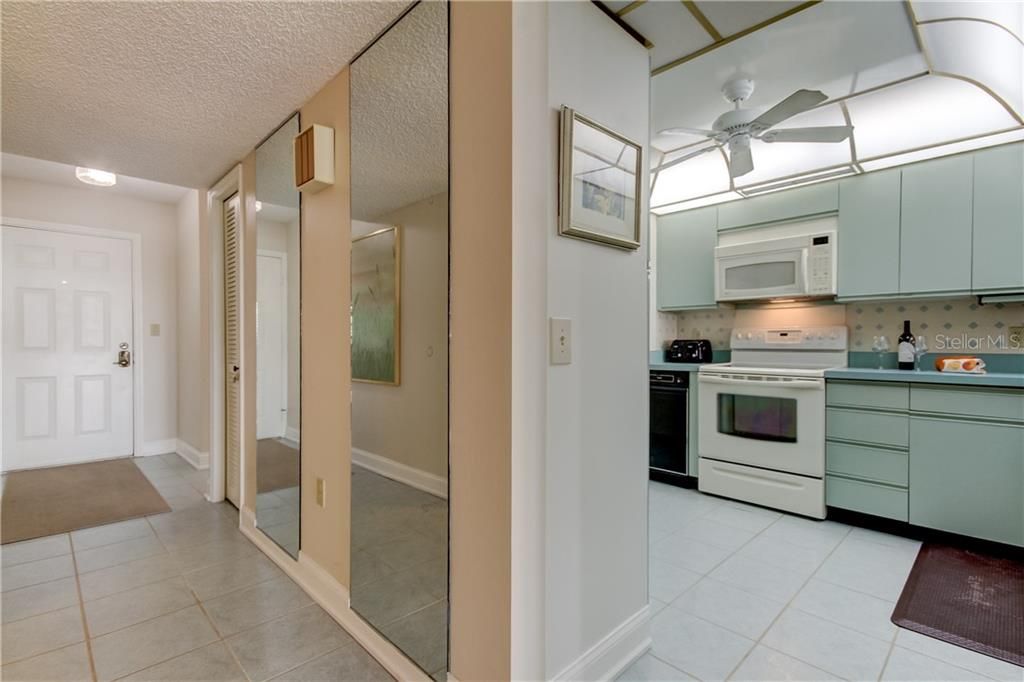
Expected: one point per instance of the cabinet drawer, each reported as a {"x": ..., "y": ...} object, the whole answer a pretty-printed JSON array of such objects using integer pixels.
[
  {"x": 969, "y": 402},
  {"x": 862, "y": 394},
  {"x": 867, "y": 427},
  {"x": 873, "y": 464},
  {"x": 866, "y": 498}
]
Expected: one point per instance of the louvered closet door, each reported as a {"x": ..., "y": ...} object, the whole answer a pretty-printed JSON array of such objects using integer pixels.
[{"x": 232, "y": 354}]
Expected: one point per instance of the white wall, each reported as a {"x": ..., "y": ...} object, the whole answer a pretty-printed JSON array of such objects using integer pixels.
[
  {"x": 157, "y": 224},
  {"x": 193, "y": 327},
  {"x": 594, "y": 486}
]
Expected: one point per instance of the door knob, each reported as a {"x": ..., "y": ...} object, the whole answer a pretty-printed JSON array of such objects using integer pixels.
[
  {"x": 234, "y": 374},
  {"x": 124, "y": 358}
]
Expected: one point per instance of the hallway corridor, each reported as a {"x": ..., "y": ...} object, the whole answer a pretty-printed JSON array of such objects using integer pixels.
[{"x": 176, "y": 596}]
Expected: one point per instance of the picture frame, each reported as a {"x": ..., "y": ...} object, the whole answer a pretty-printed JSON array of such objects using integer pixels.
[
  {"x": 376, "y": 307},
  {"x": 599, "y": 176}
]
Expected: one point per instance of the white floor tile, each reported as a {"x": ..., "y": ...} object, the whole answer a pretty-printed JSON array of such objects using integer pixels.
[
  {"x": 759, "y": 578},
  {"x": 833, "y": 648},
  {"x": 869, "y": 567},
  {"x": 647, "y": 668},
  {"x": 688, "y": 553},
  {"x": 960, "y": 657},
  {"x": 807, "y": 532},
  {"x": 668, "y": 581},
  {"x": 744, "y": 516},
  {"x": 696, "y": 646},
  {"x": 716, "y": 534},
  {"x": 905, "y": 666},
  {"x": 764, "y": 664},
  {"x": 730, "y": 607},
  {"x": 776, "y": 552},
  {"x": 856, "y": 610}
]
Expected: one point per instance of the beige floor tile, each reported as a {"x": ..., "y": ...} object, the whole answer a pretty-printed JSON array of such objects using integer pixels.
[
  {"x": 36, "y": 572},
  {"x": 249, "y": 607},
  {"x": 154, "y": 641},
  {"x": 195, "y": 557},
  {"x": 88, "y": 538},
  {"x": 117, "y": 553},
  {"x": 347, "y": 663},
  {"x": 37, "y": 599},
  {"x": 423, "y": 636},
  {"x": 107, "y": 581},
  {"x": 135, "y": 606},
  {"x": 212, "y": 663},
  {"x": 39, "y": 634},
  {"x": 70, "y": 664},
  {"x": 280, "y": 645},
  {"x": 228, "y": 576},
  {"x": 34, "y": 550}
]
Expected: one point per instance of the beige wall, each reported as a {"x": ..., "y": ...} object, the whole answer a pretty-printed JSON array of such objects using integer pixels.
[
  {"x": 193, "y": 407},
  {"x": 408, "y": 423},
  {"x": 326, "y": 372},
  {"x": 481, "y": 341},
  {"x": 157, "y": 223}
]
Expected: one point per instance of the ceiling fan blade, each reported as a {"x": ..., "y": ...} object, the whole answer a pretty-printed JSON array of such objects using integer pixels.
[
  {"x": 799, "y": 102},
  {"x": 814, "y": 134},
  {"x": 687, "y": 131},
  {"x": 687, "y": 157},
  {"x": 740, "y": 161}
]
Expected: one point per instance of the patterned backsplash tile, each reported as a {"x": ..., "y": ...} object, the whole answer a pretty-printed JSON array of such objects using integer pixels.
[{"x": 959, "y": 325}]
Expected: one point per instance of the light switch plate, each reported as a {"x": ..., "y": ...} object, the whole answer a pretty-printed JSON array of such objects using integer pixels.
[
  {"x": 154, "y": 329},
  {"x": 321, "y": 492},
  {"x": 561, "y": 341}
]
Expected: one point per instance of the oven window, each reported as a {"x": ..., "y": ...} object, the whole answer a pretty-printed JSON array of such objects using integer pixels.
[
  {"x": 761, "y": 276},
  {"x": 757, "y": 417}
]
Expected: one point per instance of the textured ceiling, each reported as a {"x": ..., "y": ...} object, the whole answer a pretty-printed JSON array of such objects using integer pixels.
[
  {"x": 400, "y": 115},
  {"x": 170, "y": 91}
]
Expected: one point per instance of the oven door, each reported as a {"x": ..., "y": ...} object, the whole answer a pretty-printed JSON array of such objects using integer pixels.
[
  {"x": 771, "y": 274},
  {"x": 771, "y": 422}
]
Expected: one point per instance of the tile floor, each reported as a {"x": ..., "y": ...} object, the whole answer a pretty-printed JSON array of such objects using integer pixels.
[
  {"x": 400, "y": 566},
  {"x": 277, "y": 515},
  {"x": 175, "y": 596},
  {"x": 745, "y": 593}
]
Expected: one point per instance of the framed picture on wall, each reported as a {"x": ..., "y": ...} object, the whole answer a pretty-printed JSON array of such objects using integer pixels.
[
  {"x": 376, "y": 306},
  {"x": 599, "y": 183}
]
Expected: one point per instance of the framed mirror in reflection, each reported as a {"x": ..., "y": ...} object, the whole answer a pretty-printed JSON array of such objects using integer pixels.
[
  {"x": 277, "y": 339},
  {"x": 399, "y": 345}
]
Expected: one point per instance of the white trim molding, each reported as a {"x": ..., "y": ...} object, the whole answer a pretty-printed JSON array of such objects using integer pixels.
[
  {"x": 166, "y": 446},
  {"x": 615, "y": 652},
  {"x": 292, "y": 433},
  {"x": 198, "y": 460},
  {"x": 403, "y": 473},
  {"x": 333, "y": 598}
]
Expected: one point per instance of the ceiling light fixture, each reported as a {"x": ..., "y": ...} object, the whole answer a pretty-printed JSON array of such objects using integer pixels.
[
  {"x": 259, "y": 206},
  {"x": 91, "y": 176}
]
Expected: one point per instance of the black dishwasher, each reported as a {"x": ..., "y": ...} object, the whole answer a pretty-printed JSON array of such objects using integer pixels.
[{"x": 669, "y": 421}]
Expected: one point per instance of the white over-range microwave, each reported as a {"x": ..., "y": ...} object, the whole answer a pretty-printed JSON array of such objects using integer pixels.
[{"x": 780, "y": 268}]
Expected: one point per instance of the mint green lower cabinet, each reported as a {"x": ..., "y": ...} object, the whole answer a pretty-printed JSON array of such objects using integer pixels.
[
  {"x": 869, "y": 235},
  {"x": 867, "y": 463},
  {"x": 1005, "y": 404},
  {"x": 968, "y": 478},
  {"x": 685, "y": 259},
  {"x": 866, "y": 497},
  {"x": 874, "y": 395},
  {"x": 866, "y": 427}
]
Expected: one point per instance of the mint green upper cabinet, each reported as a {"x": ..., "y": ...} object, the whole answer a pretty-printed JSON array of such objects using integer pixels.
[
  {"x": 999, "y": 219},
  {"x": 968, "y": 478},
  {"x": 685, "y": 259},
  {"x": 935, "y": 231},
  {"x": 786, "y": 205},
  {"x": 869, "y": 235}
]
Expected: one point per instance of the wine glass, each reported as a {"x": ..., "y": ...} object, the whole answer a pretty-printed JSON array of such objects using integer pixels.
[
  {"x": 881, "y": 346},
  {"x": 920, "y": 348}
]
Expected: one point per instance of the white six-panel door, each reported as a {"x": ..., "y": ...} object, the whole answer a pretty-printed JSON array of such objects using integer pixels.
[
  {"x": 67, "y": 308},
  {"x": 271, "y": 345}
]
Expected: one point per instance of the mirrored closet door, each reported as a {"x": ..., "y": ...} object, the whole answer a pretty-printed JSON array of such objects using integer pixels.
[
  {"x": 277, "y": 339},
  {"x": 399, "y": 318}
]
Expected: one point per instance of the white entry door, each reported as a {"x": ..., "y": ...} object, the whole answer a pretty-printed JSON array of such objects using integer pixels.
[
  {"x": 67, "y": 314},
  {"x": 271, "y": 345}
]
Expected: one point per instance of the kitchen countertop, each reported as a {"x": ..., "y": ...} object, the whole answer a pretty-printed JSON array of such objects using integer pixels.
[{"x": 927, "y": 377}]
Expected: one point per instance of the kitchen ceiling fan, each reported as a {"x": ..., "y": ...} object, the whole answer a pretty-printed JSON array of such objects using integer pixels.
[{"x": 736, "y": 128}]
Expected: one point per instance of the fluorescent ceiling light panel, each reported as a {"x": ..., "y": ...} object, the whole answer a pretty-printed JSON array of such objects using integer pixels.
[
  {"x": 1009, "y": 15},
  {"x": 696, "y": 177},
  {"x": 809, "y": 179},
  {"x": 92, "y": 176},
  {"x": 923, "y": 112},
  {"x": 944, "y": 150},
  {"x": 696, "y": 203}
]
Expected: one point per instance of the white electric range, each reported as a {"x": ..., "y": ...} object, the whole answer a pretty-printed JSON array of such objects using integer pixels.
[{"x": 762, "y": 417}]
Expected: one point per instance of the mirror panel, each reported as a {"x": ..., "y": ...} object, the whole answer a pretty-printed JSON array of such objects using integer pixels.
[
  {"x": 277, "y": 339},
  {"x": 399, "y": 317}
]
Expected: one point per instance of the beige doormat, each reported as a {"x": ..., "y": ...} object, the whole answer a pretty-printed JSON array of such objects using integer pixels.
[
  {"x": 44, "y": 502},
  {"x": 277, "y": 465}
]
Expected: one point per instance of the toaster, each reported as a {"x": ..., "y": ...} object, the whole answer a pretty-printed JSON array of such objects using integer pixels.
[{"x": 689, "y": 350}]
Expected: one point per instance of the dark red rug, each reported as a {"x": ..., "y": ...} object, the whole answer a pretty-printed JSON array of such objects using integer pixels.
[{"x": 967, "y": 598}]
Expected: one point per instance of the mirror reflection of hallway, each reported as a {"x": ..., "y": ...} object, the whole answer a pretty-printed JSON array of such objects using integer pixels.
[{"x": 277, "y": 339}]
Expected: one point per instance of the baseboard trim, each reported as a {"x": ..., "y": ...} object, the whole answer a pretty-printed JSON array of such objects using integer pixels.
[
  {"x": 333, "y": 598},
  {"x": 291, "y": 433},
  {"x": 158, "y": 447},
  {"x": 416, "y": 478},
  {"x": 615, "y": 652},
  {"x": 198, "y": 460}
]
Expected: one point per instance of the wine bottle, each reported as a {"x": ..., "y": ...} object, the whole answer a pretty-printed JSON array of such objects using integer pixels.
[{"x": 905, "y": 347}]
